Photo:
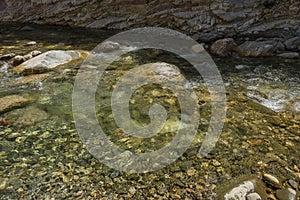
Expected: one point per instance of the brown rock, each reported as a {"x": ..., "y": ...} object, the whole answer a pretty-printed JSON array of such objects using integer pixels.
[
  {"x": 256, "y": 49},
  {"x": 27, "y": 116},
  {"x": 11, "y": 102},
  {"x": 30, "y": 79},
  {"x": 223, "y": 47}
]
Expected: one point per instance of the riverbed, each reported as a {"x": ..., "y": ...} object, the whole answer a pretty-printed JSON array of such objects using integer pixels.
[{"x": 43, "y": 157}]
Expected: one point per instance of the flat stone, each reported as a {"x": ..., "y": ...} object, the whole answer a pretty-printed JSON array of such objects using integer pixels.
[
  {"x": 286, "y": 194},
  {"x": 48, "y": 61},
  {"x": 11, "y": 102},
  {"x": 289, "y": 55}
]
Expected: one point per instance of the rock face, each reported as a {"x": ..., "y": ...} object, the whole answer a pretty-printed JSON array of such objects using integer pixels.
[
  {"x": 48, "y": 61},
  {"x": 11, "y": 102},
  {"x": 221, "y": 17}
]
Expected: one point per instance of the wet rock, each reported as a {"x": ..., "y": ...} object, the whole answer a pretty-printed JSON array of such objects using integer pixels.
[
  {"x": 108, "y": 46},
  {"x": 223, "y": 47},
  {"x": 253, "y": 196},
  {"x": 286, "y": 194},
  {"x": 12, "y": 102},
  {"x": 292, "y": 43},
  {"x": 35, "y": 53},
  {"x": 17, "y": 60},
  {"x": 256, "y": 49},
  {"x": 7, "y": 56},
  {"x": 294, "y": 184},
  {"x": 272, "y": 180},
  {"x": 289, "y": 55},
  {"x": 48, "y": 61},
  {"x": 32, "y": 43}
]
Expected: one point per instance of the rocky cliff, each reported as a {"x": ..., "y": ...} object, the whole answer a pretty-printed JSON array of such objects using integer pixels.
[{"x": 220, "y": 17}]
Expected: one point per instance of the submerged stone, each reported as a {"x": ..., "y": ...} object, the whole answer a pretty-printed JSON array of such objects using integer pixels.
[{"x": 12, "y": 102}]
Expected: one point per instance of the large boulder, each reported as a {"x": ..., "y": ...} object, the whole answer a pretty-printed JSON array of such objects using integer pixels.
[
  {"x": 48, "y": 61},
  {"x": 256, "y": 49},
  {"x": 223, "y": 47},
  {"x": 11, "y": 102}
]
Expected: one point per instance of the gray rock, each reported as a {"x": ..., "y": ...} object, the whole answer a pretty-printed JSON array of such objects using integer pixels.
[
  {"x": 256, "y": 49},
  {"x": 108, "y": 46},
  {"x": 286, "y": 194},
  {"x": 223, "y": 47},
  {"x": 32, "y": 43},
  {"x": 289, "y": 55},
  {"x": 3, "y": 66},
  {"x": 48, "y": 61},
  {"x": 292, "y": 43},
  {"x": 294, "y": 184}
]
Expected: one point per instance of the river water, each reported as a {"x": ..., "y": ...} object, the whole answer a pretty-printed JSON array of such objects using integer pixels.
[{"x": 42, "y": 156}]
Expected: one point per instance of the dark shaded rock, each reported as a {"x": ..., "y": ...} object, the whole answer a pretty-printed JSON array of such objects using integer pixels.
[
  {"x": 289, "y": 55},
  {"x": 7, "y": 56},
  {"x": 27, "y": 28},
  {"x": 17, "y": 60},
  {"x": 292, "y": 43},
  {"x": 207, "y": 37},
  {"x": 256, "y": 49},
  {"x": 12, "y": 102},
  {"x": 286, "y": 194},
  {"x": 223, "y": 47}
]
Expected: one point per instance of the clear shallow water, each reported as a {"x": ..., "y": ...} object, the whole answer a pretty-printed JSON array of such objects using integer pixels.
[{"x": 42, "y": 155}]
